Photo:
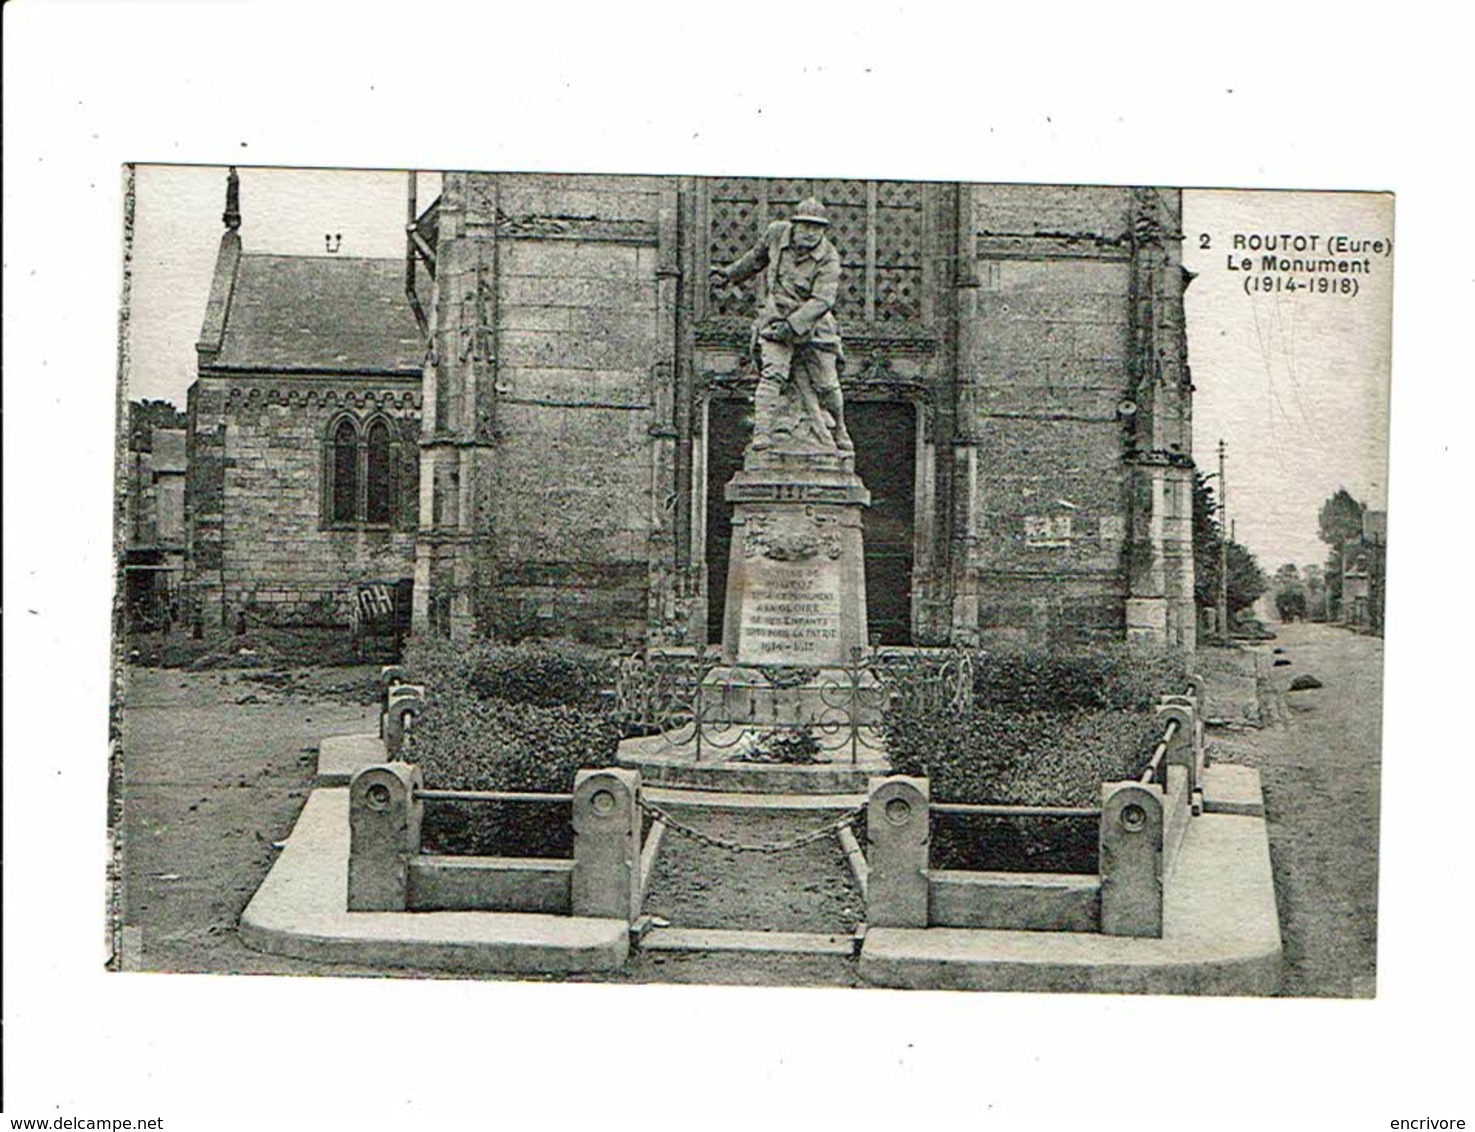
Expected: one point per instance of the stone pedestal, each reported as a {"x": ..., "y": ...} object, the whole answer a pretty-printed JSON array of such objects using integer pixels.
[{"x": 796, "y": 586}]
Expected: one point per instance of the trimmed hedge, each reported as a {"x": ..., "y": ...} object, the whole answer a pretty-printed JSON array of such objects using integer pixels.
[
  {"x": 1046, "y": 729},
  {"x": 507, "y": 717},
  {"x": 1030, "y": 758},
  {"x": 1120, "y": 677},
  {"x": 544, "y": 673}
]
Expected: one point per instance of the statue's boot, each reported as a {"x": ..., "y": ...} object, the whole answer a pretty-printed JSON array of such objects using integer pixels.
[
  {"x": 834, "y": 404},
  {"x": 765, "y": 408}
]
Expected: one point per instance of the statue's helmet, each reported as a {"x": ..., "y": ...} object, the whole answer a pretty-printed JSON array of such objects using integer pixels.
[{"x": 812, "y": 210}]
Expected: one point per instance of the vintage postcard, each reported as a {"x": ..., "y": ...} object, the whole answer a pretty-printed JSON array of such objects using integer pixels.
[{"x": 768, "y": 579}]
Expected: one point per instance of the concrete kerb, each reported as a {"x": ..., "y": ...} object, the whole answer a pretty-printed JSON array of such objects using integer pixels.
[
  {"x": 341, "y": 889},
  {"x": 899, "y": 831},
  {"x": 1187, "y": 901},
  {"x": 384, "y": 836},
  {"x": 1187, "y": 747},
  {"x": 390, "y": 676},
  {"x": 1131, "y": 859},
  {"x": 607, "y": 850},
  {"x": 301, "y": 911},
  {"x": 386, "y": 806},
  {"x": 1206, "y": 925},
  {"x": 1180, "y": 958},
  {"x": 1220, "y": 935},
  {"x": 340, "y": 757}
]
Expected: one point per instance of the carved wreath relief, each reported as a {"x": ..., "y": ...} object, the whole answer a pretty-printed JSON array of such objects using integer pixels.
[{"x": 791, "y": 536}]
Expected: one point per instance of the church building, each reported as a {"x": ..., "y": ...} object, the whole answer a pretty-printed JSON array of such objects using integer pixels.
[
  {"x": 303, "y": 430},
  {"x": 534, "y": 415}
]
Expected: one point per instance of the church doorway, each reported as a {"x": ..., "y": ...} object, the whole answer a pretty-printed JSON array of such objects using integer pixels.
[{"x": 885, "y": 434}]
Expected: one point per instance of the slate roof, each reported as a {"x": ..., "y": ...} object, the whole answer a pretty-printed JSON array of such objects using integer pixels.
[{"x": 335, "y": 314}]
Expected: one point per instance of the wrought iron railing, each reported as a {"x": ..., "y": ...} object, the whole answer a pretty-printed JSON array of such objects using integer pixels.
[{"x": 753, "y": 713}]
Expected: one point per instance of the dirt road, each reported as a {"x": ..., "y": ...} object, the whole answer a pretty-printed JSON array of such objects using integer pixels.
[
  {"x": 216, "y": 769},
  {"x": 1320, "y": 758}
]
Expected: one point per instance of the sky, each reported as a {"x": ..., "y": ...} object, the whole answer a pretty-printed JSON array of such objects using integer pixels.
[
  {"x": 177, "y": 230},
  {"x": 1295, "y": 385}
]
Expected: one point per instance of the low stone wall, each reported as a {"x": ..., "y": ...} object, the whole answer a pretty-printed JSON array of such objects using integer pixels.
[
  {"x": 490, "y": 884},
  {"x": 1041, "y": 902}
]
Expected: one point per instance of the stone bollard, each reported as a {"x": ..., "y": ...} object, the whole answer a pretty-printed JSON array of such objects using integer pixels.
[
  {"x": 384, "y": 836},
  {"x": 1184, "y": 750},
  {"x": 404, "y": 700},
  {"x": 606, "y": 880},
  {"x": 1131, "y": 846},
  {"x": 898, "y": 829}
]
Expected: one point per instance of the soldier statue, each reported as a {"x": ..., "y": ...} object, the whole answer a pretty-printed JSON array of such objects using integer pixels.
[{"x": 796, "y": 340}]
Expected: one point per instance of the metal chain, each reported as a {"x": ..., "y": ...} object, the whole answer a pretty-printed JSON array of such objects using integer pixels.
[{"x": 829, "y": 830}]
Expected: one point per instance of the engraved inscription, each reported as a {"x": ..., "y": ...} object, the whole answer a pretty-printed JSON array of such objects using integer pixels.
[{"x": 791, "y": 614}]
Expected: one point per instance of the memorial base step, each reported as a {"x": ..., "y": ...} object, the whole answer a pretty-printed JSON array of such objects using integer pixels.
[
  {"x": 722, "y": 939},
  {"x": 674, "y": 762}
]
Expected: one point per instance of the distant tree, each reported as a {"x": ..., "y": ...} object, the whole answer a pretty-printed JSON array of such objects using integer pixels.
[
  {"x": 1333, "y": 574},
  {"x": 147, "y": 415},
  {"x": 1205, "y": 543},
  {"x": 1246, "y": 580},
  {"x": 1340, "y": 518},
  {"x": 1290, "y": 593},
  {"x": 1316, "y": 591},
  {"x": 1338, "y": 523},
  {"x": 1290, "y": 605}
]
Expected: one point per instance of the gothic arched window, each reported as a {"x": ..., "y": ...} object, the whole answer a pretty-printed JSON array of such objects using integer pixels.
[
  {"x": 379, "y": 459},
  {"x": 343, "y": 486},
  {"x": 366, "y": 480}
]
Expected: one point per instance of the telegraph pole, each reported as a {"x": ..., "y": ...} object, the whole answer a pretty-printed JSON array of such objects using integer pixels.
[{"x": 1223, "y": 550}]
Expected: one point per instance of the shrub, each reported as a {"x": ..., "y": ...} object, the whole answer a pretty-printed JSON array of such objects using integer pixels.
[
  {"x": 466, "y": 743},
  {"x": 507, "y": 717},
  {"x": 1029, "y": 758},
  {"x": 545, "y": 673},
  {"x": 1101, "y": 676},
  {"x": 1045, "y": 727}
]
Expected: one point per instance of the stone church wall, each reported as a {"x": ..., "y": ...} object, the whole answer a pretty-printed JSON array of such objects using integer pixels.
[
  {"x": 579, "y": 350},
  {"x": 1054, "y": 339},
  {"x": 562, "y": 474},
  {"x": 1072, "y": 388},
  {"x": 260, "y": 536}
]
